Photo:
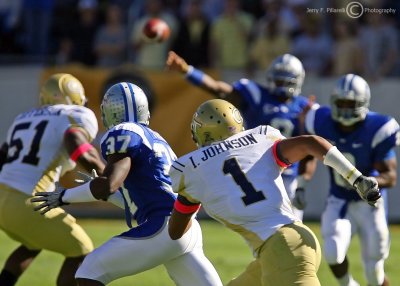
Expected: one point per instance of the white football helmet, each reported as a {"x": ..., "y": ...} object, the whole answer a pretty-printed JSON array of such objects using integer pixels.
[
  {"x": 124, "y": 102},
  {"x": 285, "y": 76},
  {"x": 353, "y": 89}
]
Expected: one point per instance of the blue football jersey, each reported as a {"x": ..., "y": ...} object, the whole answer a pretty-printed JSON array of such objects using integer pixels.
[
  {"x": 260, "y": 107},
  {"x": 373, "y": 141},
  {"x": 148, "y": 185}
]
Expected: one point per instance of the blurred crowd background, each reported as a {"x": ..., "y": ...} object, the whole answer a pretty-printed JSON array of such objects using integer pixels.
[{"x": 241, "y": 35}]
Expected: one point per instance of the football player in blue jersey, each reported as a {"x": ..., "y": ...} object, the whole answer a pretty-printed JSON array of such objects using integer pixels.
[
  {"x": 368, "y": 140},
  {"x": 138, "y": 162},
  {"x": 277, "y": 104}
]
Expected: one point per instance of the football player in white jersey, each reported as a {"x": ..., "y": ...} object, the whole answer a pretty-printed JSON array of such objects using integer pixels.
[
  {"x": 368, "y": 140},
  {"x": 42, "y": 144},
  {"x": 277, "y": 104},
  {"x": 138, "y": 161},
  {"x": 236, "y": 176}
]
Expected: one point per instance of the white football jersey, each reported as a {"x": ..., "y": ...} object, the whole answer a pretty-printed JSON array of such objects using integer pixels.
[
  {"x": 238, "y": 183},
  {"x": 36, "y": 154}
]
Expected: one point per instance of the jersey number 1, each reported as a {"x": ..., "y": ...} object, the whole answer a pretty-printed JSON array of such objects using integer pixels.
[{"x": 231, "y": 166}]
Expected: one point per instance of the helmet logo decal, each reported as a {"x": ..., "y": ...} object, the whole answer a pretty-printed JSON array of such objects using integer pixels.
[
  {"x": 74, "y": 86},
  {"x": 236, "y": 116}
]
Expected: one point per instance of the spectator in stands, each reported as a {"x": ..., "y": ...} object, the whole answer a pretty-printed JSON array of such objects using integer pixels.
[
  {"x": 288, "y": 16},
  {"x": 379, "y": 40},
  {"x": 347, "y": 51},
  {"x": 229, "y": 37},
  {"x": 254, "y": 7},
  {"x": 314, "y": 47},
  {"x": 63, "y": 54},
  {"x": 192, "y": 41},
  {"x": 110, "y": 41},
  {"x": 268, "y": 46},
  {"x": 37, "y": 17},
  {"x": 83, "y": 32},
  {"x": 124, "y": 6},
  {"x": 211, "y": 8},
  {"x": 152, "y": 55},
  {"x": 9, "y": 19}
]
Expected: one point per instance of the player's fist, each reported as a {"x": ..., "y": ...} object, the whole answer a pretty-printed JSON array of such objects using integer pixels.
[
  {"x": 176, "y": 63},
  {"x": 367, "y": 188},
  {"x": 156, "y": 30}
]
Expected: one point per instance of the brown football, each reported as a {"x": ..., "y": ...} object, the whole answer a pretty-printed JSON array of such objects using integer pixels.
[{"x": 156, "y": 30}]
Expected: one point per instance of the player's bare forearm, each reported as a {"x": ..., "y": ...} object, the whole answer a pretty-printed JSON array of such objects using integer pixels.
[
  {"x": 179, "y": 224},
  {"x": 219, "y": 89},
  {"x": 114, "y": 174},
  {"x": 88, "y": 157},
  {"x": 297, "y": 148},
  {"x": 91, "y": 160}
]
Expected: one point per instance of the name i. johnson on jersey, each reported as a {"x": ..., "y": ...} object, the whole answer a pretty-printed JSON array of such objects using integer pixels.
[{"x": 220, "y": 147}]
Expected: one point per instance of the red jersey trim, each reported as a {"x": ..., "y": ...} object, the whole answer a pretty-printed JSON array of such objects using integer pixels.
[{"x": 277, "y": 160}]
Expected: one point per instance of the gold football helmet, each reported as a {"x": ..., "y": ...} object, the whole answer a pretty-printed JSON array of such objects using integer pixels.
[
  {"x": 62, "y": 88},
  {"x": 215, "y": 120}
]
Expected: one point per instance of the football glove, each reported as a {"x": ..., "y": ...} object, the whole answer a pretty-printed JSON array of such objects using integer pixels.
[
  {"x": 367, "y": 189},
  {"x": 49, "y": 200},
  {"x": 299, "y": 200}
]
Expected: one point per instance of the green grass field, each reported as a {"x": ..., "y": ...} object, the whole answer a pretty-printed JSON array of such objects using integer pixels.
[{"x": 225, "y": 249}]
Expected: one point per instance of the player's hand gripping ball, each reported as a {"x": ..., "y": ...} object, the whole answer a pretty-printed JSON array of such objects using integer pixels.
[{"x": 156, "y": 31}]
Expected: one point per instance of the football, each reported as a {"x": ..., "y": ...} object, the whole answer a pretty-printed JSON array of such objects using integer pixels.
[{"x": 156, "y": 30}]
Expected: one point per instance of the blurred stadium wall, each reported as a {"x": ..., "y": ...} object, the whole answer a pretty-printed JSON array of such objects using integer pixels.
[{"x": 173, "y": 103}]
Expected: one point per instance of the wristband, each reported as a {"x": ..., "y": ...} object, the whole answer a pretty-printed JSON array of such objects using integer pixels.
[
  {"x": 194, "y": 75},
  {"x": 335, "y": 159},
  {"x": 81, "y": 149},
  {"x": 80, "y": 194}
]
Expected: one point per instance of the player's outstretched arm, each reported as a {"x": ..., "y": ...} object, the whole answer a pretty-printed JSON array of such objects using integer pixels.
[
  {"x": 181, "y": 217},
  {"x": 220, "y": 89},
  {"x": 81, "y": 151},
  {"x": 296, "y": 148},
  {"x": 100, "y": 188}
]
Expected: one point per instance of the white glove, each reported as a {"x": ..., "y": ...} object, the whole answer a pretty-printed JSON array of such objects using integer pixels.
[
  {"x": 299, "y": 200},
  {"x": 85, "y": 177},
  {"x": 367, "y": 189}
]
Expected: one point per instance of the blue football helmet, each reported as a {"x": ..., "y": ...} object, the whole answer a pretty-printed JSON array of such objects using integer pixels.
[
  {"x": 124, "y": 102},
  {"x": 285, "y": 76},
  {"x": 350, "y": 100}
]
